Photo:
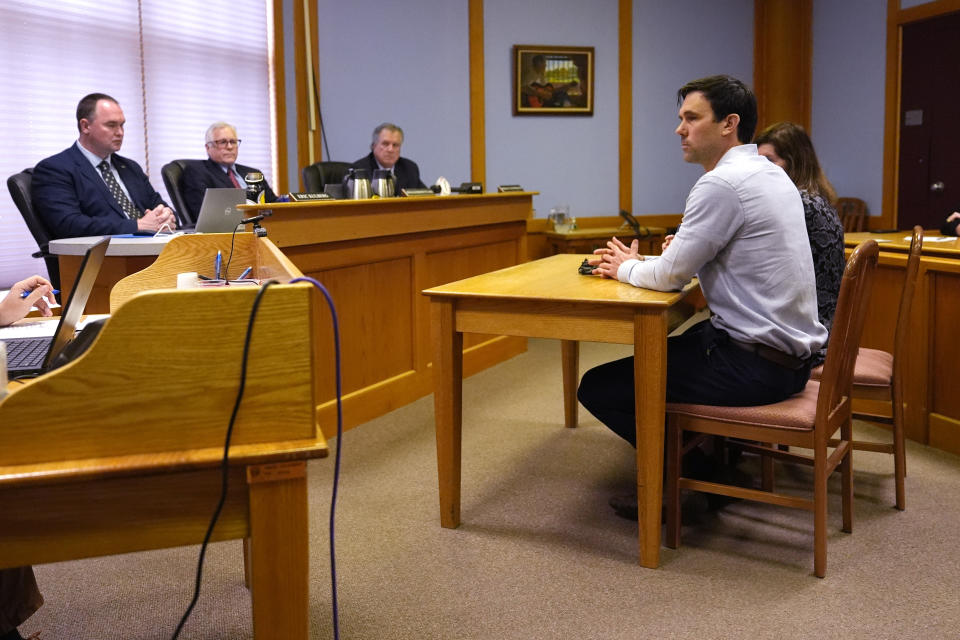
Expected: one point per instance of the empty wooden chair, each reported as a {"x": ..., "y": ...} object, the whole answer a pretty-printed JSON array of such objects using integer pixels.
[
  {"x": 878, "y": 376},
  {"x": 807, "y": 419},
  {"x": 853, "y": 214}
]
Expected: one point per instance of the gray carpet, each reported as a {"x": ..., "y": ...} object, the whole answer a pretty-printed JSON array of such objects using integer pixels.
[{"x": 540, "y": 554}]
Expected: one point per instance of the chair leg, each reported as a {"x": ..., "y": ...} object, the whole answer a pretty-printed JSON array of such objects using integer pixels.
[
  {"x": 846, "y": 477},
  {"x": 766, "y": 471},
  {"x": 672, "y": 489},
  {"x": 899, "y": 457},
  {"x": 820, "y": 514}
]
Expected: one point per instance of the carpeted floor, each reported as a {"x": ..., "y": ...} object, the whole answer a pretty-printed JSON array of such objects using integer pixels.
[{"x": 540, "y": 554}]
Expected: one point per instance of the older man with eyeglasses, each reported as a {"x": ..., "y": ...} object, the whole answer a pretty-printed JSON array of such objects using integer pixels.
[{"x": 220, "y": 169}]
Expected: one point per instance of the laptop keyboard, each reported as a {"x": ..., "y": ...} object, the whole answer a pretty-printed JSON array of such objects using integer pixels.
[{"x": 26, "y": 353}]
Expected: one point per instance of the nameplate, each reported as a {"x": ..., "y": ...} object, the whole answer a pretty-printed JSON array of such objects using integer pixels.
[
  {"x": 302, "y": 197},
  {"x": 417, "y": 192},
  {"x": 506, "y": 188}
]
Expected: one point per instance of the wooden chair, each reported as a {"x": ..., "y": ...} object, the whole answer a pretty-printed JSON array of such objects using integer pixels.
[
  {"x": 853, "y": 214},
  {"x": 807, "y": 419},
  {"x": 878, "y": 377}
]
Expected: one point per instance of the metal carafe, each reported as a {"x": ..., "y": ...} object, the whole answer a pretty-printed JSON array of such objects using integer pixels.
[
  {"x": 384, "y": 183},
  {"x": 356, "y": 184}
]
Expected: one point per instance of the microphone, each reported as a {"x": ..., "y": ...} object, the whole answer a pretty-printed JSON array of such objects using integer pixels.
[{"x": 257, "y": 218}]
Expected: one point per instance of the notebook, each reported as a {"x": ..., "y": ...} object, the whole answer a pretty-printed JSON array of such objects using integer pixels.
[
  {"x": 42, "y": 351},
  {"x": 219, "y": 213}
]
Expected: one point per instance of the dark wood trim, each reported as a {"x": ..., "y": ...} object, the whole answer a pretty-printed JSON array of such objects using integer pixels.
[
  {"x": 478, "y": 136},
  {"x": 625, "y": 32}
]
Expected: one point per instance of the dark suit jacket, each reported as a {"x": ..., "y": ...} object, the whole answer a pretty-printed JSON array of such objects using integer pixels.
[
  {"x": 72, "y": 200},
  {"x": 199, "y": 176},
  {"x": 406, "y": 171},
  {"x": 951, "y": 228}
]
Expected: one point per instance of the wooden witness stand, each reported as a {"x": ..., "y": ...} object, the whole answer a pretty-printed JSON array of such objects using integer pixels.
[{"x": 130, "y": 457}]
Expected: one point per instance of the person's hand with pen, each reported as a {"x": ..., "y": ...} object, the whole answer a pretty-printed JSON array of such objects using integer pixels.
[{"x": 35, "y": 291}]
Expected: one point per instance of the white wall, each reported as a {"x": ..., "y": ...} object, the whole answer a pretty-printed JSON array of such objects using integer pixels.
[
  {"x": 403, "y": 62},
  {"x": 849, "y": 70},
  {"x": 674, "y": 43}
]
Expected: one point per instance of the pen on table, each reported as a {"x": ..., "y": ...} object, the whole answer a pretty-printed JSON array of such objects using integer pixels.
[
  {"x": 26, "y": 293},
  {"x": 216, "y": 265},
  {"x": 245, "y": 273}
]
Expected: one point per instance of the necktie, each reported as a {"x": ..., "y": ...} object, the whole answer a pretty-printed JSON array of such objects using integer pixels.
[
  {"x": 117, "y": 192},
  {"x": 233, "y": 178}
]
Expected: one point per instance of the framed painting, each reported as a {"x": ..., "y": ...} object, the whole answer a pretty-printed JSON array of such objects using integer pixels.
[{"x": 552, "y": 80}]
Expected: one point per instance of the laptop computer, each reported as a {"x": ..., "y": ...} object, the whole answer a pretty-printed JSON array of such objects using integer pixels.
[
  {"x": 218, "y": 212},
  {"x": 35, "y": 355}
]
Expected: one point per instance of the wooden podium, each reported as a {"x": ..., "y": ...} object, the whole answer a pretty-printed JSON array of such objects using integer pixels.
[{"x": 120, "y": 450}]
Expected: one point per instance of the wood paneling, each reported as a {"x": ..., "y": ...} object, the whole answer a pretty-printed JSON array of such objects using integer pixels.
[
  {"x": 478, "y": 136},
  {"x": 375, "y": 257},
  {"x": 783, "y": 44}
]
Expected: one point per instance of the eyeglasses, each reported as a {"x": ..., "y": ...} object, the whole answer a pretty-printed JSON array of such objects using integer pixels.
[{"x": 226, "y": 143}]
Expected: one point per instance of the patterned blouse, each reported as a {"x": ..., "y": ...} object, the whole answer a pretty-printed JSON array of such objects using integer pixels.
[{"x": 826, "y": 243}]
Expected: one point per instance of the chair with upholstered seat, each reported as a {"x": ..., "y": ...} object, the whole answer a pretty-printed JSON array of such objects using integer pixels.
[
  {"x": 19, "y": 186},
  {"x": 853, "y": 214},
  {"x": 319, "y": 174},
  {"x": 807, "y": 419},
  {"x": 172, "y": 172},
  {"x": 878, "y": 376}
]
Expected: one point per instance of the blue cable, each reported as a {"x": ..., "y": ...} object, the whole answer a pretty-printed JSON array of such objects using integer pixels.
[{"x": 336, "y": 466}]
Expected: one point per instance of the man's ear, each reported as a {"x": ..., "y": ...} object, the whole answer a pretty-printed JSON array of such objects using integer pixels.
[
  {"x": 730, "y": 124},
  {"x": 84, "y": 125}
]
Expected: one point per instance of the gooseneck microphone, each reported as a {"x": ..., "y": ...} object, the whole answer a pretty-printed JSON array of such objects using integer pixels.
[{"x": 257, "y": 218}]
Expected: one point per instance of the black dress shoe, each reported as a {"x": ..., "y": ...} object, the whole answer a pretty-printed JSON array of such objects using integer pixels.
[
  {"x": 624, "y": 505},
  {"x": 13, "y": 634}
]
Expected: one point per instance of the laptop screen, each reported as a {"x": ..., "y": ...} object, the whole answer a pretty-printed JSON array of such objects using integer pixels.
[{"x": 73, "y": 309}]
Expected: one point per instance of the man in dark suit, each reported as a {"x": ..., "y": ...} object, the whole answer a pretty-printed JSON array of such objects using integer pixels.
[
  {"x": 219, "y": 170},
  {"x": 385, "y": 154},
  {"x": 89, "y": 190}
]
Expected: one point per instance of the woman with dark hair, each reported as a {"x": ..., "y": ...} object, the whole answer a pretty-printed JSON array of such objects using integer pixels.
[{"x": 788, "y": 146}]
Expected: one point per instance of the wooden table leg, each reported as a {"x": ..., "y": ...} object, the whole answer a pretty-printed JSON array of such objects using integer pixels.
[
  {"x": 650, "y": 378},
  {"x": 570, "y": 352},
  {"x": 447, "y": 407},
  {"x": 279, "y": 550}
]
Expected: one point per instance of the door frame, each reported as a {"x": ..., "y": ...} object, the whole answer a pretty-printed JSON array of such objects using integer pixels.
[{"x": 896, "y": 19}]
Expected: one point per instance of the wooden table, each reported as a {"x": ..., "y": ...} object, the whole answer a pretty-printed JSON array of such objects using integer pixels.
[
  {"x": 548, "y": 299},
  {"x": 586, "y": 239},
  {"x": 120, "y": 450}
]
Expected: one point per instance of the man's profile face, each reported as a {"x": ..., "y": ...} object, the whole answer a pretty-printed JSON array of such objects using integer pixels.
[
  {"x": 103, "y": 133},
  {"x": 224, "y": 147},
  {"x": 387, "y": 148},
  {"x": 703, "y": 139}
]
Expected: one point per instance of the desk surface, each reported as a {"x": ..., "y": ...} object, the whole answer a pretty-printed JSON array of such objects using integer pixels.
[
  {"x": 555, "y": 279},
  {"x": 548, "y": 298},
  {"x": 934, "y": 243},
  {"x": 119, "y": 245},
  {"x": 622, "y": 231}
]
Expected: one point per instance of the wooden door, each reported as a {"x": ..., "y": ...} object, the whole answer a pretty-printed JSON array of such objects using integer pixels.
[{"x": 929, "y": 187}]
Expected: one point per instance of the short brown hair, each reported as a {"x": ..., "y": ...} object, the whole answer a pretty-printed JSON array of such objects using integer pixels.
[{"x": 87, "y": 106}]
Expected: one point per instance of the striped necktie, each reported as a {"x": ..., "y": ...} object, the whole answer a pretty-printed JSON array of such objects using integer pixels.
[{"x": 117, "y": 192}]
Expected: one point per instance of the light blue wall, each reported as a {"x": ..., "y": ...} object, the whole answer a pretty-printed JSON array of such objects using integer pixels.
[
  {"x": 849, "y": 59},
  {"x": 674, "y": 43},
  {"x": 403, "y": 62},
  {"x": 568, "y": 159},
  {"x": 412, "y": 68}
]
